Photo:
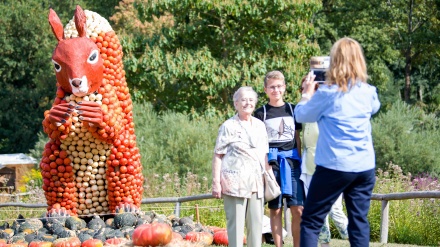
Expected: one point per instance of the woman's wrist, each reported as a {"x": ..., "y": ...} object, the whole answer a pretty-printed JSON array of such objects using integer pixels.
[{"x": 305, "y": 96}]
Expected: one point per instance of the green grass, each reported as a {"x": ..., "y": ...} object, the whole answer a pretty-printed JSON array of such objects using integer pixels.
[{"x": 345, "y": 243}]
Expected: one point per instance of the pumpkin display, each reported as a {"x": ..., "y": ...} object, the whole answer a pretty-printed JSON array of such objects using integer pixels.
[
  {"x": 221, "y": 238},
  {"x": 92, "y": 243},
  {"x": 215, "y": 229},
  {"x": 204, "y": 238},
  {"x": 155, "y": 234},
  {"x": 40, "y": 244},
  {"x": 67, "y": 242},
  {"x": 74, "y": 223},
  {"x": 23, "y": 244},
  {"x": 91, "y": 163},
  {"x": 115, "y": 241},
  {"x": 177, "y": 237},
  {"x": 124, "y": 219}
]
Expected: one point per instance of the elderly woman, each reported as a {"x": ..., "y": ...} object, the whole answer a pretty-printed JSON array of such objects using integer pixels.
[{"x": 239, "y": 158}]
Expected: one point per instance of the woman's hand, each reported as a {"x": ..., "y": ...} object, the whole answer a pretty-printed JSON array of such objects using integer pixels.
[
  {"x": 309, "y": 85},
  {"x": 216, "y": 186},
  {"x": 217, "y": 190}
]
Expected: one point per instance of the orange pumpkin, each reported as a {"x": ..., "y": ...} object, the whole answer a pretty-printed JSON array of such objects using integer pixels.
[
  {"x": 92, "y": 243},
  {"x": 67, "y": 242},
  {"x": 40, "y": 244},
  {"x": 17, "y": 245},
  {"x": 115, "y": 241},
  {"x": 154, "y": 234},
  {"x": 221, "y": 238},
  {"x": 177, "y": 237},
  {"x": 204, "y": 238},
  {"x": 215, "y": 229}
]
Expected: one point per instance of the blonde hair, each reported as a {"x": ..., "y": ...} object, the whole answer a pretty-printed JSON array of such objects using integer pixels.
[
  {"x": 275, "y": 74},
  {"x": 347, "y": 63}
]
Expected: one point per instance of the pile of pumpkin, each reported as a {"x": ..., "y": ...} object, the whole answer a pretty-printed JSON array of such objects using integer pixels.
[{"x": 124, "y": 229}]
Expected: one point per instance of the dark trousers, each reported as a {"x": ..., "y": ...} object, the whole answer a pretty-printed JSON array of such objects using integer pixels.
[{"x": 325, "y": 188}]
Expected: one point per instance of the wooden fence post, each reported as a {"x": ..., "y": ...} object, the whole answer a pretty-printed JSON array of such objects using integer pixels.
[
  {"x": 177, "y": 209},
  {"x": 384, "y": 222},
  {"x": 197, "y": 213}
]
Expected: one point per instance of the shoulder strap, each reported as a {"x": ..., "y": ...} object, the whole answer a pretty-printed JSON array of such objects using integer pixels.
[
  {"x": 290, "y": 108},
  {"x": 264, "y": 114}
]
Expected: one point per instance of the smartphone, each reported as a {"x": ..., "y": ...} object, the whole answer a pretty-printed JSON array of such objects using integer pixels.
[{"x": 319, "y": 75}]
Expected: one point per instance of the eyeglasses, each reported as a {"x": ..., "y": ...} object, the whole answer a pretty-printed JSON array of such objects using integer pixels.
[{"x": 279, "y": 87}]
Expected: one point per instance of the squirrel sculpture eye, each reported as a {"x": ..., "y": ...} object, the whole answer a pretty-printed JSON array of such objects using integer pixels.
[
  {"x": 57, "y": 66},
  {"x": 93, "y": 57}
]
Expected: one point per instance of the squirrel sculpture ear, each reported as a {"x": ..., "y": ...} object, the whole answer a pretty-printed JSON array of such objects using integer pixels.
[
  {"x": 80, "y": 21},
  {"x": 57, "y": 26}
]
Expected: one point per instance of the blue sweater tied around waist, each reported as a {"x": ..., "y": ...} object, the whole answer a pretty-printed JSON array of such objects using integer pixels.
[{"x": 285, "y": 170}]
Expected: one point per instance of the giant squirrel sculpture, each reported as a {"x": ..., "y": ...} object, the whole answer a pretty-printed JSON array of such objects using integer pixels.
[{"x": 91, "y": 164}]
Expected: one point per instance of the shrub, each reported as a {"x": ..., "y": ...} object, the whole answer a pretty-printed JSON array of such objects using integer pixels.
[
  {"x": 405, "y": 135},
  {"x": 174, "y": 143}
]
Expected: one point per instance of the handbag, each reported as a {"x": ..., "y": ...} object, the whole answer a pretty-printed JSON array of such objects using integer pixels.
[{"x": 271, "y": 188}]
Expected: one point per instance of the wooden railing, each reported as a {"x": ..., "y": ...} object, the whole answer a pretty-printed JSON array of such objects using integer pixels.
[{"x": 384, "y": 198}]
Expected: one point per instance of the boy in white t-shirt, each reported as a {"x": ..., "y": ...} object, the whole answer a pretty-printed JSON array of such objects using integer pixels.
[{"x": 284, "y": 155}]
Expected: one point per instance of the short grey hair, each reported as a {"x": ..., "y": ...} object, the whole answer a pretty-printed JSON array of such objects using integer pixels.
[{"x": 241, "y": 90}]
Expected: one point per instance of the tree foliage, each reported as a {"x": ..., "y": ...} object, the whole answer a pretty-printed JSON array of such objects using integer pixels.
[
  {"x": 202, "y": 51},
  {"x": 25, "y": 73},
  {"x": 399, "y": 39}
]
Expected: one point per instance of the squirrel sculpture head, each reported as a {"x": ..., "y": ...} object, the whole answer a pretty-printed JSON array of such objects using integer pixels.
[{"x": 77, "y": 61}]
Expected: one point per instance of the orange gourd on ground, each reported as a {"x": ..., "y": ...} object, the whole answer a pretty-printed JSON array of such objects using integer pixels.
[
  {"x": 92, "y": 243},
  {"x": 204, "y": 238},
  {"x": 17, "y": 245},
  {"x": 221, "y": 238},
  {"x": 155, "y": 234},
  {"x": 67, "y": 242},
  {"x": 115, "y": 241},
  {"x": 177, "y": 237},
  {"x": 40, "y": 244}
]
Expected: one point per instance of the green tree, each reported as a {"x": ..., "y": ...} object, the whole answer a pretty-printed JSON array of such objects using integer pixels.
[
  {"x": 399, "y": 36},
  {"x": 26, "y": 78},
  {"x": 204, "y": 50}
]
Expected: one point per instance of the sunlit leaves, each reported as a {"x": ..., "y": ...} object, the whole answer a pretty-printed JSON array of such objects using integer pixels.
[{"x": 213, "y": 47}]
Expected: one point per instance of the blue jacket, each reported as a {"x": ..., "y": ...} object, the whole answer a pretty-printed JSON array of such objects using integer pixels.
[{"x": 285, "y": 170}]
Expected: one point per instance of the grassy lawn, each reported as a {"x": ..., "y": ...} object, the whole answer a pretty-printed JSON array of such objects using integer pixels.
[{"x": 345, "y": 243}]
